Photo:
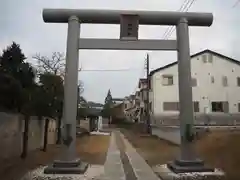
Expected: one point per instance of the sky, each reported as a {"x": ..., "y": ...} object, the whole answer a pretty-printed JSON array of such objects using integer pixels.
[{"x": 21, "y": 21}]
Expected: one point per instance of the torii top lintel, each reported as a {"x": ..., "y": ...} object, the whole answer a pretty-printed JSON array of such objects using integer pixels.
[{"x": 94, "y": 16}]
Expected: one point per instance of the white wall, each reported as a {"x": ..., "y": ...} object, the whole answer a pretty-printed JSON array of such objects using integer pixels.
[{"x": 205, "y": 91}]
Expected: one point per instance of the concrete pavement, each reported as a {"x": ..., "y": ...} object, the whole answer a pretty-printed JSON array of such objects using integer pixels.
[{"x": 123, "y": 162}]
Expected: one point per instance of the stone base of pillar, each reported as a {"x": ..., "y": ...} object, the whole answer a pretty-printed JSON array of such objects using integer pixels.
[
  {"x": 66, "y": 167},
  {"x": 182, "y": 166},
  {"x": 166, "y": 173},
  {"x": 93, "y": 172}
]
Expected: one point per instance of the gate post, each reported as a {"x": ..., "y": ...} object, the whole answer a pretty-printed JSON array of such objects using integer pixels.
[
  {"x": 188, "y": 161},
  {"x": 70, "y": 164}
]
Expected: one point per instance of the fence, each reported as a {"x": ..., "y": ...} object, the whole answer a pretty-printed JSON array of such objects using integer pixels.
[
  {"x": 220, "y": 119},
  {"x": 11, "y": 134}
]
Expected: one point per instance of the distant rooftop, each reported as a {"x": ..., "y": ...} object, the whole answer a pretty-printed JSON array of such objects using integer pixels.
[
  {"x": 118, "y": 99},
  {"x": 94, "y": 104}
]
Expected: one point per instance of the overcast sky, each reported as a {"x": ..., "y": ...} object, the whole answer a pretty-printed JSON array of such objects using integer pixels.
[{"x": 21, "y": 21}]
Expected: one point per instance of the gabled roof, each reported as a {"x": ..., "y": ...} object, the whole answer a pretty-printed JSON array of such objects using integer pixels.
[{"x": 197, "y": 54}]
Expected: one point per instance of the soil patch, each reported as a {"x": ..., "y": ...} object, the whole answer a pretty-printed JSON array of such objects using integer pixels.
[{"x": 218, "y": 149}]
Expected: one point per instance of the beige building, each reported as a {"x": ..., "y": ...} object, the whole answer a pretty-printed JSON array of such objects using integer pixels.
[
  {"x": 215, "y": 85},
  {"x": 134, "y": 105}
]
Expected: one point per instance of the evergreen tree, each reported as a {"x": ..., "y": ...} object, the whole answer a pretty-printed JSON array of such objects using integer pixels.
[
  {"x": 108, "y": 99},
  {"x": 11, "y": 58},
  {"x": 12, "y": 63},
  {"x": 16, "y": 73},
  {"x": 108, "y": 104}
]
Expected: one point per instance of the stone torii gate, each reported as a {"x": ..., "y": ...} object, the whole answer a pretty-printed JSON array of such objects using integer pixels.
[{"x": 129, "y": 22}]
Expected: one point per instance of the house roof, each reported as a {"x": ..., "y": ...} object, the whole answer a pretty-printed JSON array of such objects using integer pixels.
[
  {"x": 94, "y": 104},
  {"x": 117, "y": 99},
  {"x": 117, "y": 105},
  {"x": 197, "y": 54},
  {"x": 94, "y": 112}
]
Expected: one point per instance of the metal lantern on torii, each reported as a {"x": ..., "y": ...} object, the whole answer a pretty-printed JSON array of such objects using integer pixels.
[{"x": 129, "y": 22}]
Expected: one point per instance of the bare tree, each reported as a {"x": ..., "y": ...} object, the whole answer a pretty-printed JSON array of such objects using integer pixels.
[{"x": 55, "y": 65}]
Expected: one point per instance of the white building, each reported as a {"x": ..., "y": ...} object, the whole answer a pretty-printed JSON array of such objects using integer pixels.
[{"x": 215, "y": 85}]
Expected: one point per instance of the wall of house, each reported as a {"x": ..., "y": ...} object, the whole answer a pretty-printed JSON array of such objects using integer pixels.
[
  {"x": 206, "y": 91},
  {"x": 11, "y": 134}
]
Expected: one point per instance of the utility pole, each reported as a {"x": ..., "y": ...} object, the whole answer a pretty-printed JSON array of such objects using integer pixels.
[{"x": 149, "y": 130}]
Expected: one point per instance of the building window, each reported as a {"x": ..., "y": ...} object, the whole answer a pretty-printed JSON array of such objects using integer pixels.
[
  {"x": 210, "y": 58},
  {"x": 224, "y": 81},
  {"x": 196, "y": 106},
  {"x": 167, "y": 80},
  {"x": 125, "y": 106},
  {"x": 204, "y": 58},
  {"x": 171, "y": 106},
  {"x": 238, "y": 107},
  {"x": 238, "y": 81},
  {"x": 212, "y": 79},
  {"x": 217, "y": 107},
  {"x": 220, "y": 106},
  {"x": 194, "y": 82}
]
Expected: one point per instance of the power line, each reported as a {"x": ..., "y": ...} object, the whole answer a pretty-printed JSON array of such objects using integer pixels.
[
  {"x": 187, "y": 7},
  {"x": 236, "y": 3},
  {"x": 184, "y": 4},
  {"x": 183, "y": 8},
  {"x": 104, "y": 70}
]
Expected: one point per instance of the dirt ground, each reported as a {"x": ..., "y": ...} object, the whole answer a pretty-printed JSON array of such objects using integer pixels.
[
  {"x": 218, "y": 149},
  {"x": 91, "y": 149}
]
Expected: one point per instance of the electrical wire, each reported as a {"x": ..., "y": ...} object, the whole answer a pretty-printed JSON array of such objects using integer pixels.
[
  {"x": 81, "y": 69},
  {"x": 184, "y": 4},
  {"x": 185, "y": 8},
  {"x": 105, "y": 70},
  {"x": 236, "y": 3}
]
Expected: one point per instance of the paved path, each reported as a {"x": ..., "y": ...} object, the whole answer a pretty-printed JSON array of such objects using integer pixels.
[
  {"x": 113, "y": 166},
  {"x": 124, "y": 163}
]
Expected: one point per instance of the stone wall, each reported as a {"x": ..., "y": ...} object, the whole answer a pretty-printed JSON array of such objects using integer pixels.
[{"x": 11, "y": 134}]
